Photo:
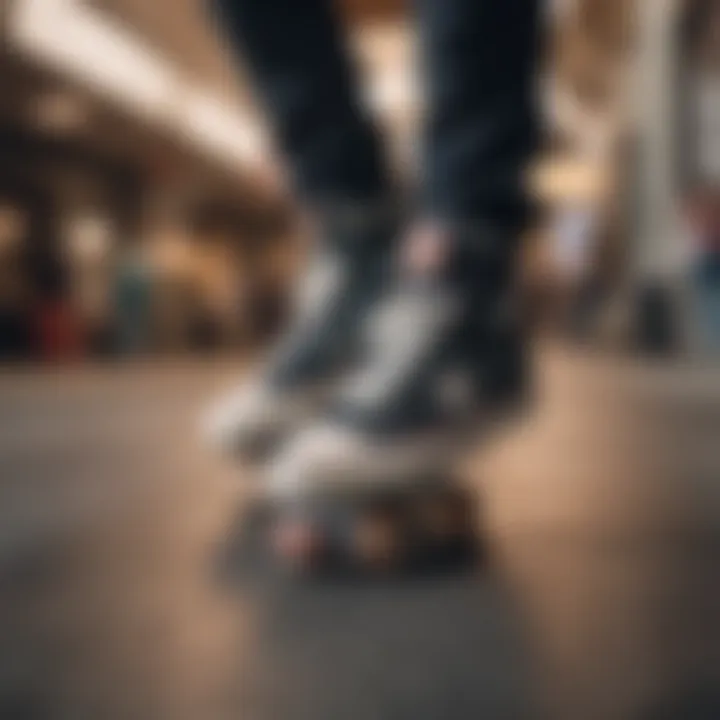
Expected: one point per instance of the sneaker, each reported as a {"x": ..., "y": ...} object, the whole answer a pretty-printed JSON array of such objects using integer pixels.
[
  {"x": 445, "y": 353},
  {"x": 345, "y": 277}
]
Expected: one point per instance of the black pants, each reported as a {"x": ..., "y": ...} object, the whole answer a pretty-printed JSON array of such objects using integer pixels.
[{"x": 479, "y": 61}]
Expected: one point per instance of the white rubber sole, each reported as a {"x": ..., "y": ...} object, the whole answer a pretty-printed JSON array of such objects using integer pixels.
[
  {"x": 328, "y": 458},
  {"x": 256, "y": 418}
]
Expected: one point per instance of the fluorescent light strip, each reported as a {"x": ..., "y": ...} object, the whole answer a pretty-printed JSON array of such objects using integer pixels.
[
  {"x": 224, "y": 133},
  {"x": 94, "y": 51},
  {"x": 111, "y": 61}
]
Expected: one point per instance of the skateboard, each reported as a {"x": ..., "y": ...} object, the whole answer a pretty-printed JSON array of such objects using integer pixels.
[{"x": 429, "y": 527}]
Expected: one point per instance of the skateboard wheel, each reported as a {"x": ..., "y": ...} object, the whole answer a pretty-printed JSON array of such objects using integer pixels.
[
  {"x": 445, "y": 517},
  {"x": 437, "y": 519},
  {"x": 297, "y": 543},
  {"x": 378, "y": 541}
]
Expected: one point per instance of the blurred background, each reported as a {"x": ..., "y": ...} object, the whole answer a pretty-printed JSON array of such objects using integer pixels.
[
  {"x": 145, "y": 219},
  {"x": 141, "y": 211}
]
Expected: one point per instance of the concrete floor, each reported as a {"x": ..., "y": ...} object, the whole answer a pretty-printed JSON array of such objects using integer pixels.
[{"x": 600, "y": 598}]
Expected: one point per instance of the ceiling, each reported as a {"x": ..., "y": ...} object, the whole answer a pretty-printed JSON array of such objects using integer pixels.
[{"x": 182, "y": 30}]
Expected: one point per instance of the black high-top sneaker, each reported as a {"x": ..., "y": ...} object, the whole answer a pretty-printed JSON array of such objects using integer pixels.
[
  {"x": 345, "y": 277},
  {"x": 446, "y": 353}
]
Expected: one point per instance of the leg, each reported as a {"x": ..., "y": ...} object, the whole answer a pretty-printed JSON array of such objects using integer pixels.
[
  {"x": 480, "y": 59},
  {"x": 443, "y": 346},
  {"x": 297, "y": 62},
  {"x": 446, "y": 350}
]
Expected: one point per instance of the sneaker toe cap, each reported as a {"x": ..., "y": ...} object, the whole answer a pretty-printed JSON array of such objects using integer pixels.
[{"x": 239, "y": 420}]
